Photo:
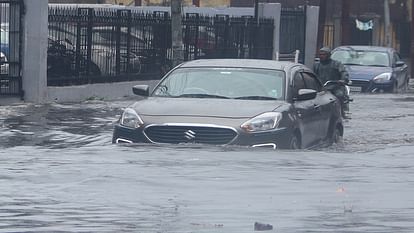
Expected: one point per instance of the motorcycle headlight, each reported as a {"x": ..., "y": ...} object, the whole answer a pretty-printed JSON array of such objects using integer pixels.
[
  {"x": 131, "y": 119},
  {"x": 382, "y": 78},
  {"x": 263, "y": 122}
]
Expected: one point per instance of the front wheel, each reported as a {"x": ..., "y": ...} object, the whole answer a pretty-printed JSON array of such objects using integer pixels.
[
  {"x": 294, "y": 143},
  {"x": 336, "y": 136},
  {"x": 394, "y": 87}
]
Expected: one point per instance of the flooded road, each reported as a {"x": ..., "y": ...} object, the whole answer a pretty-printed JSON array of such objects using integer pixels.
[{"x": 59, "y": 172}]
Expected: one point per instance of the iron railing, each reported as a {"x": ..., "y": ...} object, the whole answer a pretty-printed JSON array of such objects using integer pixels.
[
  {"x": 91, "y": 45},
  {"x": 10, "y": 47}
]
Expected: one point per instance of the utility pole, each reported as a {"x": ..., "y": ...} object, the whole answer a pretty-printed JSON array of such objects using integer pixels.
[
  {"x": 387, "y": 23},
  {"x": 177, "y": 32},
  {"x": 345, "y": 24},
  {"x": 412, "y": 40},
  {"x": 256, "y": 10}
]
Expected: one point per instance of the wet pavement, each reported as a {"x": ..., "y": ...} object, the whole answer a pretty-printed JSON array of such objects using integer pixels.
[{"x": 59, "y": 172}]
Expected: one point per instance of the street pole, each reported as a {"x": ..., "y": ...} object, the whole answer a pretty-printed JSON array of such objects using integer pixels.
[
  {"x": 412, "y": 40},
  {"x": 387, "y": 23},
  {"x": 177, "y": 32},
  {"x": 345, "y": 27},
  {"x": 256, "y": 10}
]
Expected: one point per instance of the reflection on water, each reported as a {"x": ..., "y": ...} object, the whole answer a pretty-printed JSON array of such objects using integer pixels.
[{"x": 60, "y": 173}]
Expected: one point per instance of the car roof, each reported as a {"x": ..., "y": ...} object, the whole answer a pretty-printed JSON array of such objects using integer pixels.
[
  {"x": 365, "y": 48},
  {"x": 242, "y": 63}
]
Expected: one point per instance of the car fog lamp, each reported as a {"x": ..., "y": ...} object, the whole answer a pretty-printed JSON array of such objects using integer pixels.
[
  {"x": 263, "y": 122},
  {"x": 382, "y": 78},
  {"x": 131, "y": 119}
]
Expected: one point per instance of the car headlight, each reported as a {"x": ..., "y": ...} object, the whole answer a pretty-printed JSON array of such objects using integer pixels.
[
  {"x": 262, "y": 122},
  {"x": 131, "y": 119},
  {"x": 382, "y": 78}
]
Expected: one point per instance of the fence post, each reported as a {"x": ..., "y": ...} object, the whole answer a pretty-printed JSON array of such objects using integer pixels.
[
  {"x": 311, "y": 41},
  {"x": 177, "y": 32},
  {"x": 89, "y": 39},
  {"x": 35, "y": 32},
  {"x": 273, "y": 10}
]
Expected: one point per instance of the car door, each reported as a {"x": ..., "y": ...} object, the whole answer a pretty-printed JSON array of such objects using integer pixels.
[
  {"x": 400, "y": 72},
  {"x": 306, "y": 112},
  {"x": 322, "y": 104}
]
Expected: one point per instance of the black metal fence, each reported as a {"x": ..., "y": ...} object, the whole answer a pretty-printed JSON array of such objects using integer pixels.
[
  {"x": 10, "y": 47},
  {"x": 91, "y": 45},
  {"x": 293, "y": 31}
]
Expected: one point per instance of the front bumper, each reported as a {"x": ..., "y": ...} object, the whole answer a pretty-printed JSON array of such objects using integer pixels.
[
  {"x": 371, "y": 86},
  {"x": 278, "y": 138}
]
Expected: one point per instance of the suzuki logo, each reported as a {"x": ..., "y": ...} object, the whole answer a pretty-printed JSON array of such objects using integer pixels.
[{"x": 190, "y": 135}]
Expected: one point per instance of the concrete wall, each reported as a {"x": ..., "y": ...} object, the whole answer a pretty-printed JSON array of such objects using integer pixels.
[
  {"x": 311, "y": 41},
  {"x": 272, "y": 10},
  {"x": 35, "y": 33}
]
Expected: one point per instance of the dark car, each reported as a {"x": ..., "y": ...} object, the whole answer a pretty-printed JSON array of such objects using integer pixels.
[
  {"x": 257, "y": 103},
  {"x": 372, "y": 68}
]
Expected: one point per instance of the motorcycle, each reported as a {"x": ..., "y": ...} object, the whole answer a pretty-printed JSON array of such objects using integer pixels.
[
  {"x": 61, "y": 59},
  {"x": 341, "y": 90}
]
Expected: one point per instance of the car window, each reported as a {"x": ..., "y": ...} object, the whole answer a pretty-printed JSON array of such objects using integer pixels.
[
  {"x": 224, "y": 82},
  {"x": 361, "y": 57},
  {"x": 298, "y": 83},
  {"x": 396, "y": 58},
  {"x": 311, "y": 82}
]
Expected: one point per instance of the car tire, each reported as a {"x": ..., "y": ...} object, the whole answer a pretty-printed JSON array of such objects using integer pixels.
[
  {"x": 94, "y": 70},
  {"x": 294, "y": 142},
  {"x": 405, "y": 87},
  {"x": 336, "y": 136},
  {"x": 394, "y": 88}
]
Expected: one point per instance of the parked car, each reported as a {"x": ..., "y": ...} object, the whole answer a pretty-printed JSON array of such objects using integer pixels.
[
  {"x": 138, "y": 58},
  {"x": 4, "y": 51},
  {"x": 257, "y": 103},
  {"x": 372, "y": 68}
]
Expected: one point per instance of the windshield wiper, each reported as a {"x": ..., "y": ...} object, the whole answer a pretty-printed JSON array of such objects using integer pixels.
[
  {"x": 352, "y": 64},
  {"x": 378, "y": 65},
  {"x": 202, "y": 96},
  {"x": 256, "y": 97}
]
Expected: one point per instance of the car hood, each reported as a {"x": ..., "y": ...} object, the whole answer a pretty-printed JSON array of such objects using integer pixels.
[
  {"x": 365, "y": 72},
  {"x": 225, "y": 108}
]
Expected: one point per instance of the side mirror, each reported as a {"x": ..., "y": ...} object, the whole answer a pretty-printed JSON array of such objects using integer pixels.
[
  {"x": 306, "y": 94},
  {"x": 399, "y": 64},
  {"x": 142, "y": 90}
]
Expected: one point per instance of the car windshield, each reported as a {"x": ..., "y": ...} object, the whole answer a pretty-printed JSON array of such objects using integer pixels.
[
  {"x": 234, "y": 83},
  {"x": 362, "y": 58}
]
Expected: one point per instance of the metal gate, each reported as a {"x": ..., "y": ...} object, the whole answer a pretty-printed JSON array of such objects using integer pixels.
[
  {"x": 10, "y": 48},
  {"x": 293, "y": 31}
]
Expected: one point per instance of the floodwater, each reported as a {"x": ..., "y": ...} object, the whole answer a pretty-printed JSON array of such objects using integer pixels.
[{"x": 59, "y": 172}]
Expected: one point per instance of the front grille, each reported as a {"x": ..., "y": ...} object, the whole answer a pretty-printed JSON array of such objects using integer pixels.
[
  {"x": 190, "y": 134},
  {"x": 359, "y": 83},
  {"x": 365, "y": 85}
]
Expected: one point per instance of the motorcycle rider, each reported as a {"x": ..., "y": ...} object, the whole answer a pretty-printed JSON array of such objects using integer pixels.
[{"x": 328, "y": 69}]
